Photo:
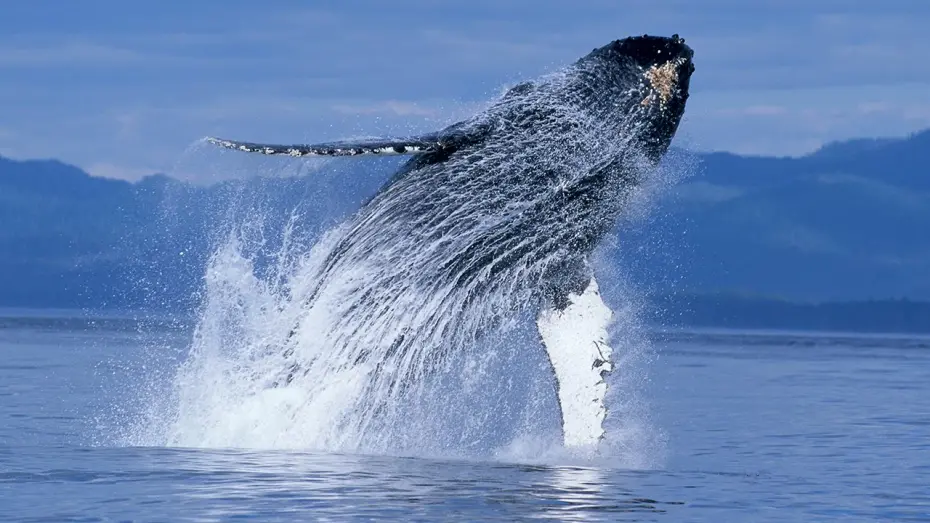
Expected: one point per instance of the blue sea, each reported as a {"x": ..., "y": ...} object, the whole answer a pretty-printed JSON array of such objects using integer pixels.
[{"x": 755, "y": 426}]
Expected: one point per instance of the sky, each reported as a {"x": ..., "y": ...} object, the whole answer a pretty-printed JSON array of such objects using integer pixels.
[{"x": 125, "y": 89}]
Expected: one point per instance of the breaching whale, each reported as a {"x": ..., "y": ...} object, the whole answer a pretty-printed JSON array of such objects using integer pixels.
[{"x": 498, "y": 214}]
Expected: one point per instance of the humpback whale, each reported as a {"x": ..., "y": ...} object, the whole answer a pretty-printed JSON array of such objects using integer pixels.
[{"x": 494, "y": 215}]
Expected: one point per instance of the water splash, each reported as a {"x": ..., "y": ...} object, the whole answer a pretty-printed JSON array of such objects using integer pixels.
[
  {"x": 492, "y": 399},
  {"x": 408, "y": 329},
  {"x": 222, "y": 395}
]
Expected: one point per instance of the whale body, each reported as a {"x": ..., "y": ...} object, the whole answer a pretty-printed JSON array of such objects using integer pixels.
[{"x": 495, "y": 215}]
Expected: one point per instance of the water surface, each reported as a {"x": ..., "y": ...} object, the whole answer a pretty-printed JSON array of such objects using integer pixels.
[{"x": 758, "y": 427}]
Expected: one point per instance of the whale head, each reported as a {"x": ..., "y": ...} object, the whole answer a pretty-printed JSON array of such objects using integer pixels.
[{"x": 642, "y": 83}]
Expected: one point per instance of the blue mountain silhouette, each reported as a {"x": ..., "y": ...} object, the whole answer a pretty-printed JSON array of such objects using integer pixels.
[{"x": 847, "y": 222}]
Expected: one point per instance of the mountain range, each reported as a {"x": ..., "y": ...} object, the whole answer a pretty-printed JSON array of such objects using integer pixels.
[{"x": 849, "y": 222}]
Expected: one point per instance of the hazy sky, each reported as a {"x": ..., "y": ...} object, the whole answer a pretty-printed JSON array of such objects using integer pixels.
[{"x": 124, "y": 88}]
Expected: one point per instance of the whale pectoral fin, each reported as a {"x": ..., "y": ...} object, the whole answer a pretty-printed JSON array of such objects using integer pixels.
[
  {"x": 376, "y": 147},
  {"x": 576, "y": 340}
]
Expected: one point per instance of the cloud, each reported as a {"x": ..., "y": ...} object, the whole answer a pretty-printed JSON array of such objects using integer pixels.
[
  {"x": 480, "y": 50},
  {"x": 874, "y": 107},
  {"x": 108, "y": 170},
  {"x": 6, "y": 135},
  {"x": 67, "y": 54},
  {"x": 390, "y": 107},
  {"x": 58, "y": 53},
  {"x": 754, "y": 111}
]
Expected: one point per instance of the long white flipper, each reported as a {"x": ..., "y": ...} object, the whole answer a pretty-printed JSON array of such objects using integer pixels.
[{"x": 576, "y": 341}]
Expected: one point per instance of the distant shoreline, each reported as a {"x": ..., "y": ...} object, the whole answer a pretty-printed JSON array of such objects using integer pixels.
[
  {"x": 671, "y": 312},
  {"x": 740, "y": 312}
]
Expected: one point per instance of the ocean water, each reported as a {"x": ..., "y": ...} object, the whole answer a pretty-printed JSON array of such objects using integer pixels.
[{"x": 749, "y": 426}]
